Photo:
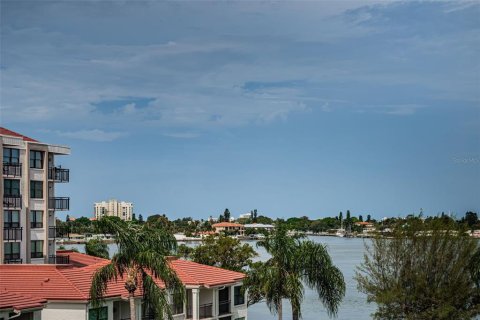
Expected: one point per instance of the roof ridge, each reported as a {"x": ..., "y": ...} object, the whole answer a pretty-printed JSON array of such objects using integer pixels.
[{"x": 71, "y": 282}]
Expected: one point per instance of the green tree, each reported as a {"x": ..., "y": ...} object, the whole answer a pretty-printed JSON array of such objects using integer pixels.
[
  {"x": 360, "y": 218},
  {"x": 369, "y": 218},
  {"x": 226, "y": 215},
  {"x": 140, "y": 218},
  {"x": 97, "y": 248},
  {"x": 423, "y": 271},
  {"x": 254, "y": 216},
  {"x": 340, "y": 217},
  {"x": 294, "y": 263},
  {"x": 142, "y": 255},
  {"x": 224, "y": 252},
  {"x": 471, "y": 219},
  {"x": 348, "y": 220}
]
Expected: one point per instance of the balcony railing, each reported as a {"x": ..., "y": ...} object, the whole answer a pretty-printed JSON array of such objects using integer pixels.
[
  {"x": 12, "y": 234},
  {"x": 58, "y": 203},
  {"x": 12, "y": 201},
  {"x": 224, "y": 307},
  {"x": 36, "y": 225},
  {"x": 58, "y": 232},
  {"x": 58, "y": 174},
  {"x": 12, "y": 258},
  {"x": 36, "y": 255},
  {"x": 204, "y": 311},
  {"x": 12, "y": 169},
  {"x": 53, "y": 259}
]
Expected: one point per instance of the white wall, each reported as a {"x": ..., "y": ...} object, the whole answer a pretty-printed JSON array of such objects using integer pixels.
[{"x": 64, "y": 311}]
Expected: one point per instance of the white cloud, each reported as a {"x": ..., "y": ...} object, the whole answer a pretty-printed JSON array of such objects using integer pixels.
[{"x": 92, "y": 135}]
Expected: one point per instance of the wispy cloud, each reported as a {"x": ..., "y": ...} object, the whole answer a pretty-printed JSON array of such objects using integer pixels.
[{"x": 92, "y": 135}]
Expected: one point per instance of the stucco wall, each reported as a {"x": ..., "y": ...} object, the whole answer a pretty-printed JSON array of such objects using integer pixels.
[{"x": 64, "y": 311}]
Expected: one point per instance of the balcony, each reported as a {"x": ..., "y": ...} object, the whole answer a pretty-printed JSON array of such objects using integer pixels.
[
  {"x": 58, "y": 232},
  {"x": 53, "y": 259},
  {"x": 224, "y": 307},
  {"x": 36, "y": 255},
  {"x": 58, "y": 174},
  {"x": 58, "y": 203},
  {"x": 12, "y": 258},
  {"x": 12, "y": 201},
  {"x": 204, "y": 311},
  {"x": 12, "y": 169},
  {"x": 12, "y": 234}
]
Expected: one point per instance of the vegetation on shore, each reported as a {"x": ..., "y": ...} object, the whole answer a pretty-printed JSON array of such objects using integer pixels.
[{"x": 425, "y": 270}]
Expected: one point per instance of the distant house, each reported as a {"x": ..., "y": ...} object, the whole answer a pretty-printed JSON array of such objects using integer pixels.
[
  {"x": 247, "y": 215},
  {"x": 61, "y": 292},
  {"x": 366, "y": 226},
  {"x": 257, "y": 226},
  {"x": 229, "y": 227}
]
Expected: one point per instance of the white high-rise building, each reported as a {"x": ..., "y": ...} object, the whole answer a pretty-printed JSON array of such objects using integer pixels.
[
  {"x": 114, "y": 208},
  {"x": 27, "y": 216}
]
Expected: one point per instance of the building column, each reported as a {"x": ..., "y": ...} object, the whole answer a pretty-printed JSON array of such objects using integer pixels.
[
  {"x": 195, "y": 304},
  {"x": 215, "y": 302},
  {"x": 232, "y": 298}
]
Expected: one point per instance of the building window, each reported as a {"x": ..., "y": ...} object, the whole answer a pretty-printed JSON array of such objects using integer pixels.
[
  {"x": 242, "y": 318},
  {"x": 98, "y": 313},
  {"x": 238, "y": 296},
  {"x": 11, "y": 187},
  {"x": 11, "y": 219},
  {"x": 36, "y": 189},
  {"x": 37, "y": 249},
  {"x": 11, "y": 156},
  {"x": 36, "y": 159},
  {"x": 36, "y": 219},
  {"x": 12, "y": 250}
]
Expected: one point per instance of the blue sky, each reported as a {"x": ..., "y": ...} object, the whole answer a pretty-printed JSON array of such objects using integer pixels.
[{"x": 292, "y": 108}]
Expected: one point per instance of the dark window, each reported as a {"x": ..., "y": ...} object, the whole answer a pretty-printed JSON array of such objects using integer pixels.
[
  {"x": 36, "y": 159},
  {"x": 239, "y": 297},
  {"x": 11, "y": 187},
  {"x": 36, "y": 189},
  {"x": 11, "y": 218},
  {"x": 98, "y": 313},
  {"x": 37, "y": 249},
  {"x": 12, "y": 250},
  {"x": 36, "y": 219},
  {"x": 11, "y": 155}
]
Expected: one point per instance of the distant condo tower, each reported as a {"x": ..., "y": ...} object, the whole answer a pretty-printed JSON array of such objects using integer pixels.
[
  {"x": 27, "y": 215},
  {"x": 114, "y": 208}
]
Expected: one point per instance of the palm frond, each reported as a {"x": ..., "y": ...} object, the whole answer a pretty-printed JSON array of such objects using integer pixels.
[{"x": 100, "y": 281}]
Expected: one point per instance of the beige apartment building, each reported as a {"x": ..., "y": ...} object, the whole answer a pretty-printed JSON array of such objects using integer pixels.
[
  {"x": 29, "y": 174},
  {"x": 114, "y": 208}
]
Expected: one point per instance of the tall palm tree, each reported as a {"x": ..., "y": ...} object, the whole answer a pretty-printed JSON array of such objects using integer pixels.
[
  {"x": 294, "y": 263},
  {"x": 142, "y": 255}
]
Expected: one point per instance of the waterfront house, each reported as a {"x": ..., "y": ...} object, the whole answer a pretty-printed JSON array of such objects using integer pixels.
[
  {"x": 256, "y": 226},
  {"x": 367, "y": 227},
  {"x": 61, "y": 292},
  {"x": 229, "y": 227}
]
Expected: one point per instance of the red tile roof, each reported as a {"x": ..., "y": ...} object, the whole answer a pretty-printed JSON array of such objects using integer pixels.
[
  {"x": 227, "y": 224},
  {"x": 60, "y": 282},
  {"x": 79, "y": 259},
  {"x": 10, "y": 300},
  {"x": 6, "y": 132}
]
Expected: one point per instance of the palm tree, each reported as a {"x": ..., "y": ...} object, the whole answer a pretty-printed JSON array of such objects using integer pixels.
[
  {"x": 142, "y": 255},
  {"x": 294, "y": 263}
]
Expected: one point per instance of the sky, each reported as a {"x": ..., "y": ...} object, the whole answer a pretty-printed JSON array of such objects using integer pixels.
[{"x": 291, "y": 108}]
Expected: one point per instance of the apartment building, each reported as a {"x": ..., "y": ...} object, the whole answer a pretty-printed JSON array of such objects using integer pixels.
[
  {"x": 114, "y": 208},
  {"x": 29, "y": 173}
]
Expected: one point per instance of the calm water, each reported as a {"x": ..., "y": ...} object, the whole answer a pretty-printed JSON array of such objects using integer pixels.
[{"x": 346, "y": 254}]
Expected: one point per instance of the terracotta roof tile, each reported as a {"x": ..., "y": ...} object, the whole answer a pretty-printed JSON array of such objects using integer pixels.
[
  {"x": 11, "y": 300},
  {"x": 227, "y": 224},
  {"x": 6, "y": 132}
]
